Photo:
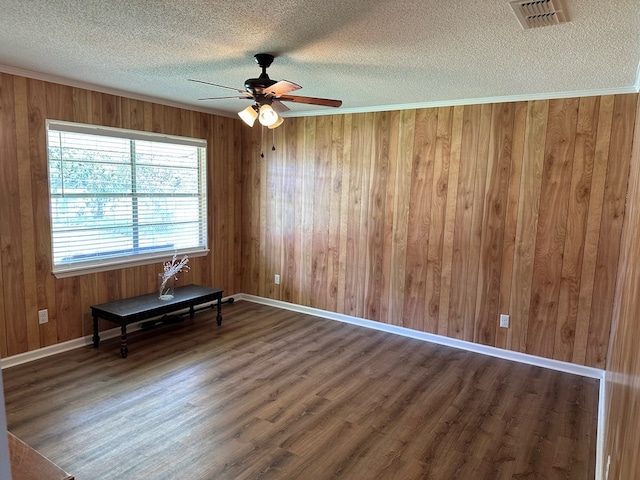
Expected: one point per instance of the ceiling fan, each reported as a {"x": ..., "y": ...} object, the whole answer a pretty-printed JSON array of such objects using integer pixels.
[{"x": 268, "y": 96}]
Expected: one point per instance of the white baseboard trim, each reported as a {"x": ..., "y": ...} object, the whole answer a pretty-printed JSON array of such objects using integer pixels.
[
  {"x": 602, "y": 412},
  {"x": 433, "y": 338},
  {"x": 405, "y": 332},
  {"x": 468, "y": 346},
  {"x": 87, "y": 340},
  {"x": 43, "y": 352}
]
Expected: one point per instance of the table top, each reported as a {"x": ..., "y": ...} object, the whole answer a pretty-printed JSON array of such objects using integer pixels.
[{"x": 133, "y": 306}]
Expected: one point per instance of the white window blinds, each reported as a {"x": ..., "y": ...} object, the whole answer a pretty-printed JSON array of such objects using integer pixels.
[{"x": 121, "y": 197}]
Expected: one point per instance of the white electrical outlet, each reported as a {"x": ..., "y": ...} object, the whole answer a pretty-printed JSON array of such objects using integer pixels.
[
  {"x": 43, "y": 316},
  {"x": 276, "y": 279},
  {"x": 504, "y": 321}
]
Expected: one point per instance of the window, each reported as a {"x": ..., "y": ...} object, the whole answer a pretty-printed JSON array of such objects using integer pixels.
[{"x": 122, "y": 198}]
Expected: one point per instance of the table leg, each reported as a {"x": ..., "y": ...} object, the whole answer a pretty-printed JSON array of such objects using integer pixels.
[
  {"x": 219, "y": 316},
  {"x": 192, "y": 311},
  {"x": 96, "y": 336},
  {"x": 123, "y": 341}
]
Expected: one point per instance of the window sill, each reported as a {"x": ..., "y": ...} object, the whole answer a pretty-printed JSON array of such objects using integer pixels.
[{"x": 119, "y": 264}]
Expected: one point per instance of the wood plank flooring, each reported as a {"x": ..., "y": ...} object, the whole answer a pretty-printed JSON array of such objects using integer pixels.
[{"x": 273, "y": 394}]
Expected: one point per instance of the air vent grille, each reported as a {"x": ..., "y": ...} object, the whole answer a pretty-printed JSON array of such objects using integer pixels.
[{"x": 538, "y": 13}]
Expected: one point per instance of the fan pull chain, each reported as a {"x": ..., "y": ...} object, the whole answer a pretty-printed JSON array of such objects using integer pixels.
[
  {"x": 261, "y": 142},
  {"x": 273, "y": 141}
]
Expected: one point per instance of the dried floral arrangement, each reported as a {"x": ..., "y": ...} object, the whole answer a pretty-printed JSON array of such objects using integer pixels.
[{"x": 171, "y": 270}]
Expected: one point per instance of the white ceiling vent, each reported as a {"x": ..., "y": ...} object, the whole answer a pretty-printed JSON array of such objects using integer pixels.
[{"x": 539, "y": 13}]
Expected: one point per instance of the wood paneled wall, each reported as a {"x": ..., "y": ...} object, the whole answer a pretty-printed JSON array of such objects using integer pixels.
[
  {"x": 441, "y": 219},
  {"x": 26, "y": 282},
  {"x": 434, "y": 219},
  {"x": 622, "y": 436}
]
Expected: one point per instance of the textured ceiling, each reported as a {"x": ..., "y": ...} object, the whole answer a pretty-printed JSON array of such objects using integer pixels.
[{"x": 372, "y": 54}]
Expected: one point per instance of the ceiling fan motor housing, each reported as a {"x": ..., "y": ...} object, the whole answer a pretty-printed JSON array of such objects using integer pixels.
[{"x": 257, "y": 85}]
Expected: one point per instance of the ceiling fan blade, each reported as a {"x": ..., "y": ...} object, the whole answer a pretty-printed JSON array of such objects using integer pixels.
[
  {"x": 325, "y": 102},
  {"x": 281, "y": 87},
  {"x": 221, "y": 86},
  {"x": 220, "y": 98},
  {"x": 279, "y": 107}
]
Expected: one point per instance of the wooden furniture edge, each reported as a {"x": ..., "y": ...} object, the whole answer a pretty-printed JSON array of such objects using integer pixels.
[{"x": 29, "y": 464}]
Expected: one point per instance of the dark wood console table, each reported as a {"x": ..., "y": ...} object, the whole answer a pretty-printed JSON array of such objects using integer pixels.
[{"x": 130, "y": 310}]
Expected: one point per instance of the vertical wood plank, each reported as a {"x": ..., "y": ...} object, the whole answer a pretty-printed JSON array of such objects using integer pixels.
[
  {"x": 262, "y": 203},
  {"x": 274, "y": 221},
  {"x": 251, "y": 210},
  {"x": 611, "y": 228},
  {"x": 449, "y": 219},
  {"x": 398, "y": 200},
  {"x": 419, "y": 218},
  {"x": 237, "y": 213},
  {"x": 220, "y": 195},
  {"x": 353, "y": 269},
  {"x": 495, "y": 204},
  {"x": 528, "y": 204},
  {"x": 473, "y": 278},
  {"x": 334, "y": 270},
  {"x": 306, "y": 143},
  {"x": 202, "y": 127},
  {"x": 111, "y": 112},
  {"x": 308, "y": 135},
  {"x": 232, "y": 201},
  {"x": 377, "y": 183},
  {"x": 157, "y": 117},
  {"x": 291, "y": 213},
  {"x": 81, "y": 105},
  {"x": 95, "y": 115},
  {"x": 345, "y": 183},
  {"x": 264, "y": 240},
  {"x": 577, "y": 214},
  {"x": 319, "y": 281},
  {"x": 3, "y": 321},
  {"x": 59, "y": 102},
  {"x": 438, "y": 215},
  {"x": 69, "y": 309},
  {"x": 26, "y": 212},
  {"x": 511, "y": 220},
  {"x": 37, "y": 98},
  {"x": 223, "y": 186},
  {"x": 462, "y": 252},
  {"x": 391, "y": 238},
  {"x": 365, "y": 155},
  {"x": 10, "y": 224},
  {"x": 552, "y": 223},
  {"x": 592, "y": 235}
]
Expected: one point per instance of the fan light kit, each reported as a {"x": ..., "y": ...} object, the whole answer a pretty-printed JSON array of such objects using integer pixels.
[{"x": 268, "y": 96}]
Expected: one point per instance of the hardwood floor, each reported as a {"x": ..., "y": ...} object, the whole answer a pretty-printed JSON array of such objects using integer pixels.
[{"x": 273, "y": 394}]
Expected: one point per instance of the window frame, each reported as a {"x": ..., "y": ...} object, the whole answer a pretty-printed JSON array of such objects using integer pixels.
[{"x": 62, "y": 270}]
